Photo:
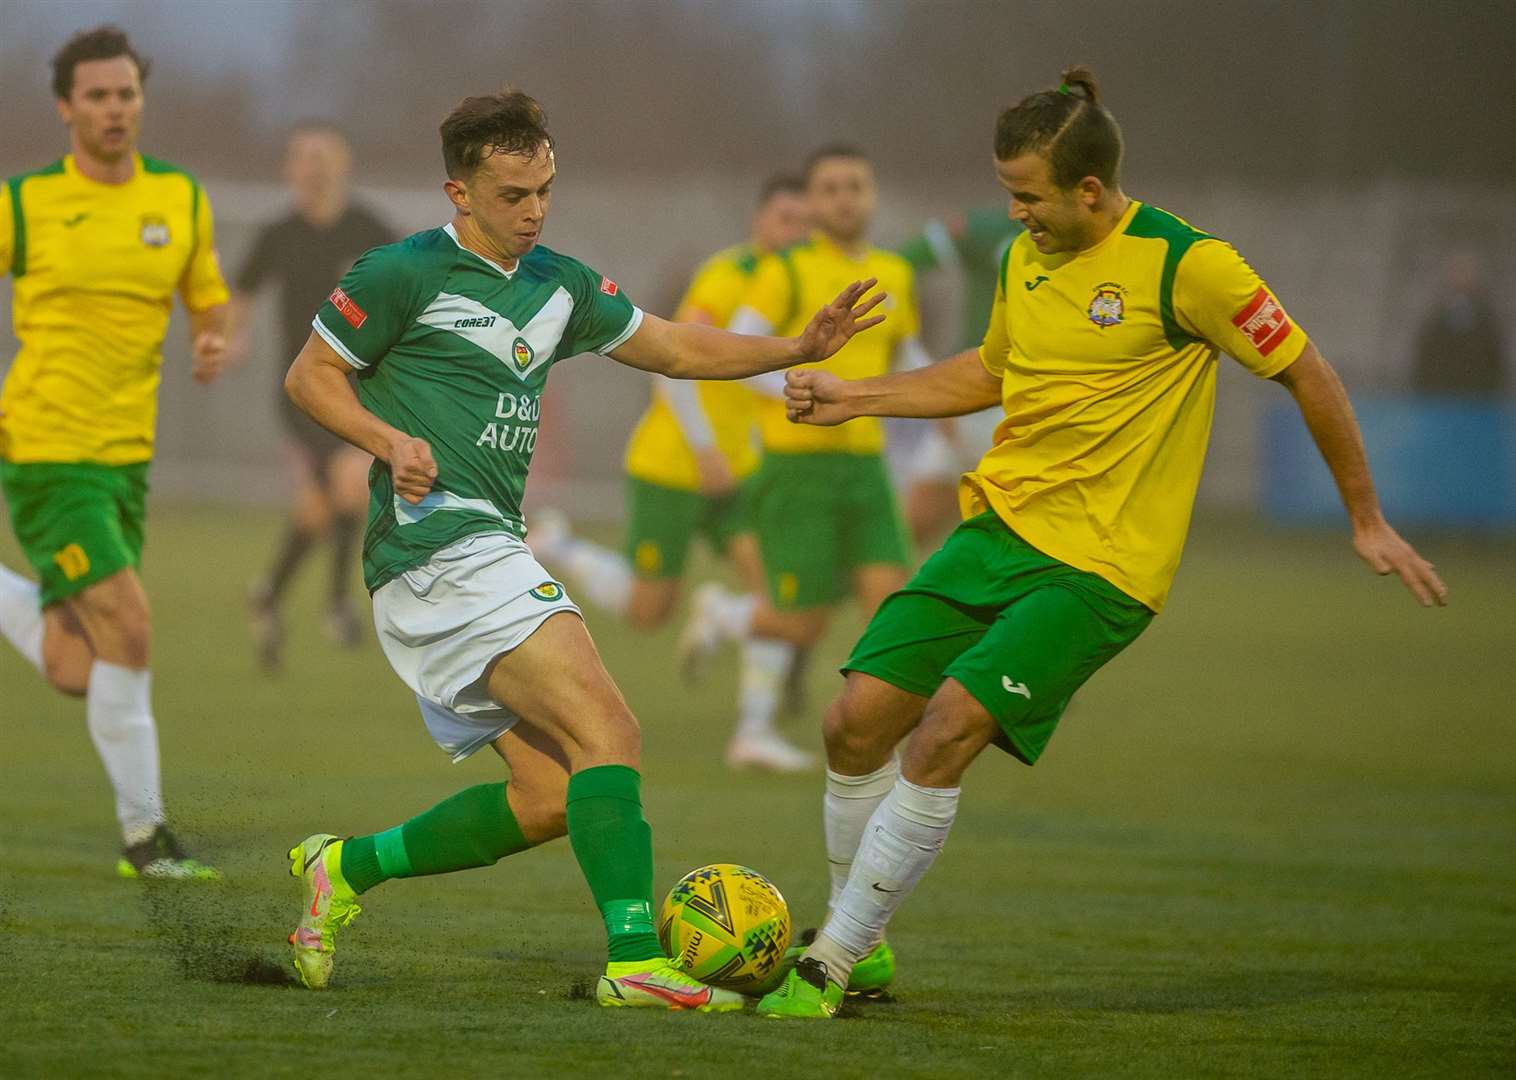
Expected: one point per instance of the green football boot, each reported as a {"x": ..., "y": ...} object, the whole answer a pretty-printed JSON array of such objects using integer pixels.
[
  {"x": 871, "y": 976},
  {"x": 807, "y": 994},
  {"x": 330, "y": 904},
  {"x": 658, "y": 984},
  {"x": 160, "y": 858}
]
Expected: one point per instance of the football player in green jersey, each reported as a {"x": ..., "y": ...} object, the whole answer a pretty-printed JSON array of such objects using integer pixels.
[{"x": 451, "y": 333}]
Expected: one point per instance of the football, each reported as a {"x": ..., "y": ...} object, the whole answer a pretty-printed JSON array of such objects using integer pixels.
[{"x": 726, "y": 925}]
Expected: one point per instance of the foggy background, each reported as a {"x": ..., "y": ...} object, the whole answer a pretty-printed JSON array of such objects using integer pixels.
[{"x": 1348, "y": 150}]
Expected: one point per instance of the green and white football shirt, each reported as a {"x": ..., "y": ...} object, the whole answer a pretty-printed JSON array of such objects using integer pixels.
[{"x": 452, "y": 348}]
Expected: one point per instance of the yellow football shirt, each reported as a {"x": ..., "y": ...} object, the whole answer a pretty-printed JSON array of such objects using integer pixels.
[
  {"x": 1107, "y": 362},
  {"x": 787, "y": 289},
  {"x": 658, "y": 451},
  {"x": 96, "y": 267}
]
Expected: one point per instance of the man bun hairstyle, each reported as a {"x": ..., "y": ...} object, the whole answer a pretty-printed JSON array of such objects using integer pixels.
[
  {"x": 101, "y": 43},
  {"x": 507, "y": 122},
  {"x": 1068, "y": 126}
]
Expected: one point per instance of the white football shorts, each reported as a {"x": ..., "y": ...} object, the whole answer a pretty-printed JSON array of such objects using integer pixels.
[{"x": 442, "y": 624}]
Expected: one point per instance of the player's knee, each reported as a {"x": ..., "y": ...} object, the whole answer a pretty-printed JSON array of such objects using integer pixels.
[
  {"x": 852, "y": 739},
  {"x": 650, "y": 608},
  {"x": 953, "y": 731},
  {"x": 541, "y": 810},
  {"x": 67, "y": 669}
]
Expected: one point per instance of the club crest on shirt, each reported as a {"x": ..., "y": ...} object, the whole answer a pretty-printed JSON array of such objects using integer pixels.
[
  {"x": 548, "y": 591},
  {"x": 522, "y": 354},
  {"x": 154, "y": 231},
  {"x": 1106, "y": 307}
]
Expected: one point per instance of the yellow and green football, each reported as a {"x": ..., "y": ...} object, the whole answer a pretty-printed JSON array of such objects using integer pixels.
[{"x": 726, "y": 925}]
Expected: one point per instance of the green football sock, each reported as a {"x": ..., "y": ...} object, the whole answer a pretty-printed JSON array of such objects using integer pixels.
[
  {"x": 614, "y": 847},
  {"x": 472, "y": 828}
]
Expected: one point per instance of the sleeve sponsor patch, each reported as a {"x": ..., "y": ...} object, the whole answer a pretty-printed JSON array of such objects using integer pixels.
[
  {"x": 354, "y": 314},
  {"x": 1263, "y": 322},
  {"x": 608, "y": 286}
]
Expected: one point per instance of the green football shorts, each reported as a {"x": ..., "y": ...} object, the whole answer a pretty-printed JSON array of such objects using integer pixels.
[
  {"x": 820, "y": 517},
  {"x": 1019, "y": 629},
  {"x": 663, "y": 520},
  {"x": 77, "y": 522}
]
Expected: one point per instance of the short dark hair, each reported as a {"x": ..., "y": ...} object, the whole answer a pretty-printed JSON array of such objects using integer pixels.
[
  {"x": 506, "y": 122},
  {"x": 830, "y": 151},
  {"x": 317, "y": 126},
  {"x": 1068, "y": 126},
  {"x": 102, "y": 43},
  {"x": 780, "y": 184}
]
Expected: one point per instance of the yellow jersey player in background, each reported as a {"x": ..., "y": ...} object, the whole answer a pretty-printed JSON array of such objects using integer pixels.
[
  {"x": 1102, "y": 349},
  {"x": 686, "y": 465},
  {"x": 826, "y": 514},
  {"x": 98, "y": 244}
]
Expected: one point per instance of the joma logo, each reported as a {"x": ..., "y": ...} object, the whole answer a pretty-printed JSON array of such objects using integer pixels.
[{"x": 480, "y": 320}]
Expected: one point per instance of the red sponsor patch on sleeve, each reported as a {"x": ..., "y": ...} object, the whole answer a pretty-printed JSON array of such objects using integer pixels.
[
  {"x": 1263, "y": 322},
  {"x": 608, "y": 286},
  {"x": 354, "y": 314}
]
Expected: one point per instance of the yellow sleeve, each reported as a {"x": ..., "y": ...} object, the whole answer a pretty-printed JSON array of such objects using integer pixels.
[
  {"x": 202, "y": 285},
  {"x": 7, "y": 230},
  {"x": 906, "y": 314},
  {"x": 996, "y": 347},
  {"x": 771, "y": 292},
  {"x": 1219, "y": 297},
  {"x": 710, "y": 294}
]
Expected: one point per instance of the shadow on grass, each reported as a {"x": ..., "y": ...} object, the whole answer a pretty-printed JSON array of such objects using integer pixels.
[{"x": 196, "y": 923}]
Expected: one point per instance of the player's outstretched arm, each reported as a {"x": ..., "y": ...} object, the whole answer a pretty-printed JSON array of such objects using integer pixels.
[
  {"x": 693, "y": 351},
  {"x": 317, "y": 382},
  {"x": 956, "y": 386},
  {"x": 1324, "y": 404}
]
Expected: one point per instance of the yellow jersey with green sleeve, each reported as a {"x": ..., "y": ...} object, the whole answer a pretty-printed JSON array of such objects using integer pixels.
[
  {"x": 1107, "y": 362},
  {"x": 95, "y": 268},
  {"x": 659, "y": 451},
  {"x": 787, "y": 289}
]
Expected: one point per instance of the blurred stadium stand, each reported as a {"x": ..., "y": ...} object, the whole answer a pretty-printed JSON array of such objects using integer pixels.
[{"x": 1305, "y": 136}]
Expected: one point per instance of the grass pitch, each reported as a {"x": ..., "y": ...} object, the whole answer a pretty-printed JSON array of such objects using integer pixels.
[{"x": 1276, "y": 837}]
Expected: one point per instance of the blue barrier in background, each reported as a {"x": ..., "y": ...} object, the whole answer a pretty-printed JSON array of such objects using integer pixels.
[{"x": 1437, "y": 462}]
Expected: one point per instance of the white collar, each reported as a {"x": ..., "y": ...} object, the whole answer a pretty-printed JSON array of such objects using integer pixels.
[{"x": 448, "y": 228}]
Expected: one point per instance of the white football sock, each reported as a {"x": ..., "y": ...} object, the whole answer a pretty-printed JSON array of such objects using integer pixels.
[
  {"x": 603, "y": 574},
  {"x": 120, "y": 717},
  {"x": 849, "y": 803},
  {"x": 900, "y": 843},
  {"x": 765, "y": 665},
  {"x": 732, "y": 613},
  {"x": 21, "y": 615}
]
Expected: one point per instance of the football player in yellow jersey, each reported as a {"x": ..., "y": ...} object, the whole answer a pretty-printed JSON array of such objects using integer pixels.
[
  {"x": 686, "y": 464},
  {"x": 826, "y": 514},
  {"x": 1102, "y": 348},
  {"x": 97, "y": 244}
]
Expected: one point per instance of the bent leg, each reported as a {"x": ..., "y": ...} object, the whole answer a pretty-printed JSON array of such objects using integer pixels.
[
  {"x": 478, "y": 826},
  {"x": 114, "y": 617},
  {"x": 67, "y": 655},
  {"x": 556, "y": 682}
]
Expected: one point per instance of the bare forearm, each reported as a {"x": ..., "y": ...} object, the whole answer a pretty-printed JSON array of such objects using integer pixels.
[
  {"x": 956, "y": 386},
  {"x": 210, "y": 321},
  {"x": 1328, "y": 414},
  {"x": 704, "y": 352},
  {"x": 324, "y": 393}
]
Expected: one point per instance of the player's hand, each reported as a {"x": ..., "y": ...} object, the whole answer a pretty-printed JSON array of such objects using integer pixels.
[
  {"x": 834, "y": 325},
  {"x": 813, "y": 396},
  {"x": 413, "y": 468},
  {"x": 716, "y": 477},
  {"x": 1386, "y": 553},
  {"x": 208, "y": 356}
]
